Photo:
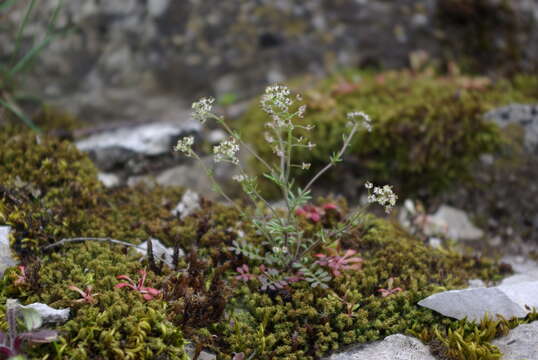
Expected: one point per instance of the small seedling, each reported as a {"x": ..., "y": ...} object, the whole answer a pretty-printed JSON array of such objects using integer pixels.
[
  {"x": 148, "y": 293},
  {"x": 87, "y": 296}
]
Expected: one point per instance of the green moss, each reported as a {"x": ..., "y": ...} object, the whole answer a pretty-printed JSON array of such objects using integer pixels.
[
  {"x": 50, "y": 191},
  {"x": 304, "y": 323},
  {"x": 428, "y": 129},
  {"x": 121, "y": 325}
]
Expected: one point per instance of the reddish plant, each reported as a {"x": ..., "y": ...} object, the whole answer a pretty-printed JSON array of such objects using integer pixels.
[
  {"x": 315, "y": 213},
  {"x": 244, "y": 273},
  {"x": 86, "y": 296},
  {"x": 391, "y": 290},
  {"x": 23, "y": 277},
  {"x": 273, "y": 279},
  {"x": 147, "y": 292},
  {"x": 339, "y": 263}
]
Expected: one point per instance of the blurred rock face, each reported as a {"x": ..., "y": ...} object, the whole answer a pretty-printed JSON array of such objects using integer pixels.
[{"x": 118, "y": 52}]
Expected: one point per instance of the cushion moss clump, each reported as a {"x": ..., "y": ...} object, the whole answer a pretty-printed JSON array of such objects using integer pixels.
[
  {"x": 120, "y": 325},
  {"x": 49, "y": 191},
  {"x": 428, "y": 129}
]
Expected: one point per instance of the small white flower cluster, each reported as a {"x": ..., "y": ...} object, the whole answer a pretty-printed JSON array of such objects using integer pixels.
[
  {"x": 384, "y": 196},
  {"x": 276, "y": 99},
  {"x": 184, "y": 145},
  {"x": 202, "y": 108},
  {"x": 366, "y": 121},
  {"x": 280, "y": 250},
  {"x": 227, "y": 151}
]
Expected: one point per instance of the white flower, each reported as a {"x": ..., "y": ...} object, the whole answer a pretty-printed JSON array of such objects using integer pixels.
[
  {"x": 276, "y": 99},
  {"x": 366, "y": 121},
  {"x": 239, "y": 178},
  {"x": 268, "y": 138},
  {"x": 202, "y": 109},
  {"x": 227, "y": 151},
  {"x": 184, "y": 145},
  {"x": 301, "y": 111},
  {"x": 384, "y": 196},
  {"x": 368, "y": 185}
]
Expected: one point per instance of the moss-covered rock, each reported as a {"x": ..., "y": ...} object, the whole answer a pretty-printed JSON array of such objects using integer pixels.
[{"x": 428, "y": 129}]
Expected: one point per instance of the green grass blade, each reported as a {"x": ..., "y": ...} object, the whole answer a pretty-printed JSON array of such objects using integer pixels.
[
  {"x": 24, "y": 22},
  {"x": 49, "y": 36},
  {"x": 30, "y": 55},
  {"x": 21, "y": 116},
  {"x": 54, "y": 17}
]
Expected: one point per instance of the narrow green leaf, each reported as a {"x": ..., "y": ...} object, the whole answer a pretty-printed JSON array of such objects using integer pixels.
[
  {"x": 22, "y": 26},
  {"x": 21, "y": 116}
]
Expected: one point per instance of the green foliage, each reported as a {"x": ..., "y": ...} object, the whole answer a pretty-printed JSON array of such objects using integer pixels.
[
  {"x": 427, "y": 130},
  {"x": 11, "y": 72}
]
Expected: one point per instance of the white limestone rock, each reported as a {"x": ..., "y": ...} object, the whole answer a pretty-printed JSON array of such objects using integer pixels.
[
  {"x": 48, "y": 314},
  {"x": 507, "y": 300},
  {"x": 6, "y": 256},
  {"x": 190, "y": 203},
  {"x": 113, "y": 147},
  {"x": 520, "y": 343},
  {"x": 394, "y": 347},
  {"x": 456, "y": 222},
  {"x": 160, "y": 251},
  {"x": 109, "y": 180}
]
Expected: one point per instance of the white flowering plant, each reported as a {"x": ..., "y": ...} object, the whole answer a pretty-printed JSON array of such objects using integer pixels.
[{"x": 287, "y": 248}]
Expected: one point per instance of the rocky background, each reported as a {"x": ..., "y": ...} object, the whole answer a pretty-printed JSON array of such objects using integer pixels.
[{"x": 111, "y": 54}]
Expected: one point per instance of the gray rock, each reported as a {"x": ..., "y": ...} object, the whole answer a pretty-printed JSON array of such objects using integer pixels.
[
  {"x": 6, "y": 257},
  {"x": 455, "y": 222},
  {"x": 507, "y": 300},
  {"x": 115, "y": 147},
  {"x": 124, "y": 51},
  {"x": 157, "y": 7},
  {"x": 190, "y": 202},
  {"x": 204, "y": 355},
  {"x": 109, "y": 180},
  {"x": 525, "y": 116},
  {"x": 48, "y": 314},
  {"x": 189, "y": 176},
  {"x": 520, "y": 343},
  {"x": 394, "y": 347},
  {"x": 159, "y": 251},
  {"x": 525, "y": 270}
]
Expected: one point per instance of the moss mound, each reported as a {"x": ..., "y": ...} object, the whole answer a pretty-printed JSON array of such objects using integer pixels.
[
  {"x": 50, "y": 191},
  {"x": 428, "y": 129}
]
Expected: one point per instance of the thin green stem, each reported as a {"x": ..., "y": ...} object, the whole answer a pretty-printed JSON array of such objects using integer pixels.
[{"x": 338, "y": 156}]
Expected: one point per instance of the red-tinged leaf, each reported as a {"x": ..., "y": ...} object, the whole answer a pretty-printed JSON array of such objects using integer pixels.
[
  {"x": 6, "y": 352},
  {"x": 124, "y": 277},
  {"x": 148, "y": 297},
  {"x": 152, "y": 291},
  {"x": 40, "y": 336},
  {"x": 330, "y": 206}
]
